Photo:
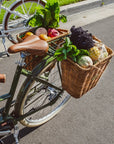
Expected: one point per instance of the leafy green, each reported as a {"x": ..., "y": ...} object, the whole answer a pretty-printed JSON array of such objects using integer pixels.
[
  {"x": 48, "y": 17},
  {"x": 69, "y": 50},
  {"x": 63, "y": 18},
  {"x": 82, "y": 52}
]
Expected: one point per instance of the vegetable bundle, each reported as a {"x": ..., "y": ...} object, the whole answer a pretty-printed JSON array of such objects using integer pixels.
[
  {"x": 69, "y": 50},
  {"x": 82, "y": 39},
  {"x": 81, "y": 48},
  {"x": 48, "y": 17}
]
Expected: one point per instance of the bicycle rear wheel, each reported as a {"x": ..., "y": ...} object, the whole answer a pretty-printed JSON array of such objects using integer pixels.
[
  {"x": 16, "y": 23},
  {"x": 37, "y": 95}
]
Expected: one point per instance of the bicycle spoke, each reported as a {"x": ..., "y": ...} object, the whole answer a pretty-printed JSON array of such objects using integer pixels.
[
  {"x": 23, "y": 9},
  {"x": 46, "y": 100},
  {"x": 32, "y": 101},
  {"x": 28, "y": 11},
  {"x": 32, "y": 95},
  {"x": 15, "y": 21}
]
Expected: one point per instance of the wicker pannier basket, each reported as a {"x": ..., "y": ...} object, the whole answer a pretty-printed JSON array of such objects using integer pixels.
[
  {"x": 32, "y": 60},
  {"x": 77, "y": 80}
]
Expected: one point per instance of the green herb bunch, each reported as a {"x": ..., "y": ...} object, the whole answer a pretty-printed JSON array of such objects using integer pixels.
[
  {"x": 68, "y": 50},
  {"x": 48, "y": 17}
]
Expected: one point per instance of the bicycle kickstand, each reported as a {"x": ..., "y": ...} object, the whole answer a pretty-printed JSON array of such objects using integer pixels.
[{"x": 16, "y": 134}]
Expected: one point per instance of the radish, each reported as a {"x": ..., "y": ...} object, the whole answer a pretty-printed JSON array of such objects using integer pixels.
[{"x": 52, "y": 32}]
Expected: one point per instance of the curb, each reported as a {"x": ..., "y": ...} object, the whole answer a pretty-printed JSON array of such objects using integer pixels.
[{"x": 83, "y": 5}]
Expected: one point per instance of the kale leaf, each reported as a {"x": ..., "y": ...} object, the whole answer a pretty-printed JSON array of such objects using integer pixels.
[
  {"x": 68, "y": 50},
  {"x": 48, "y": 17}
]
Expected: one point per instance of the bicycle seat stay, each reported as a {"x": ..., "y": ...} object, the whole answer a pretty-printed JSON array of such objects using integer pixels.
[{"x": 32, "y": 44}]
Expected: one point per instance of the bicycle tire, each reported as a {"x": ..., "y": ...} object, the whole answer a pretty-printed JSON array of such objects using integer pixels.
[
  {"x": 44, "y": 93},
  {"x": 9, "y": 24}
]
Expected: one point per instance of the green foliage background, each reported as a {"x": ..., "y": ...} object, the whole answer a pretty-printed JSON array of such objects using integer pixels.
[{"x": 8, "y": 3}]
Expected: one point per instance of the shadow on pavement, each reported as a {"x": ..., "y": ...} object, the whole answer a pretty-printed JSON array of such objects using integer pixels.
[{"x": 22, "y": 133}]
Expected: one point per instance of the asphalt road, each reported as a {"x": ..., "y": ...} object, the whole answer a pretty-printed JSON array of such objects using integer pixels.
[{"x": 88, "y": 120}]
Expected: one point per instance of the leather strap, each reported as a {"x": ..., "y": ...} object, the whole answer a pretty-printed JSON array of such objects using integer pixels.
[{"x": 2, "y": 78}]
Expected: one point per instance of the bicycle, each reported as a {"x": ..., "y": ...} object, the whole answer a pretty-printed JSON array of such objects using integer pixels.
[
  {"x": 40, "y": 91},
  {"x": 16, "y": 16}
]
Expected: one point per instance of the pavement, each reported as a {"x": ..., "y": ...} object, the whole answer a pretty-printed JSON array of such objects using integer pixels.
[
  {"x": 83, "y": 5},
  {"x": 90, "y": 15}
]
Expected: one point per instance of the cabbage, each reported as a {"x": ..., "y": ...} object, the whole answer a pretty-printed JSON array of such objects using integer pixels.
[{"x": 85, "y": 61}]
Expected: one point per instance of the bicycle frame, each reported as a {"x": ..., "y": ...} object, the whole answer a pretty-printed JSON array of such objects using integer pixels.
[
  {"x": 32, "y": 75},
  {"x": 10, "y": 95}
]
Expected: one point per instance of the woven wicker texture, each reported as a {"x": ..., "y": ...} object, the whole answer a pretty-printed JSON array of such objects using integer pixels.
[
  {"x": 31, "y": 61},
  {"x": 77, "y": 80},
  {"x": 62, "y": 32}
]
